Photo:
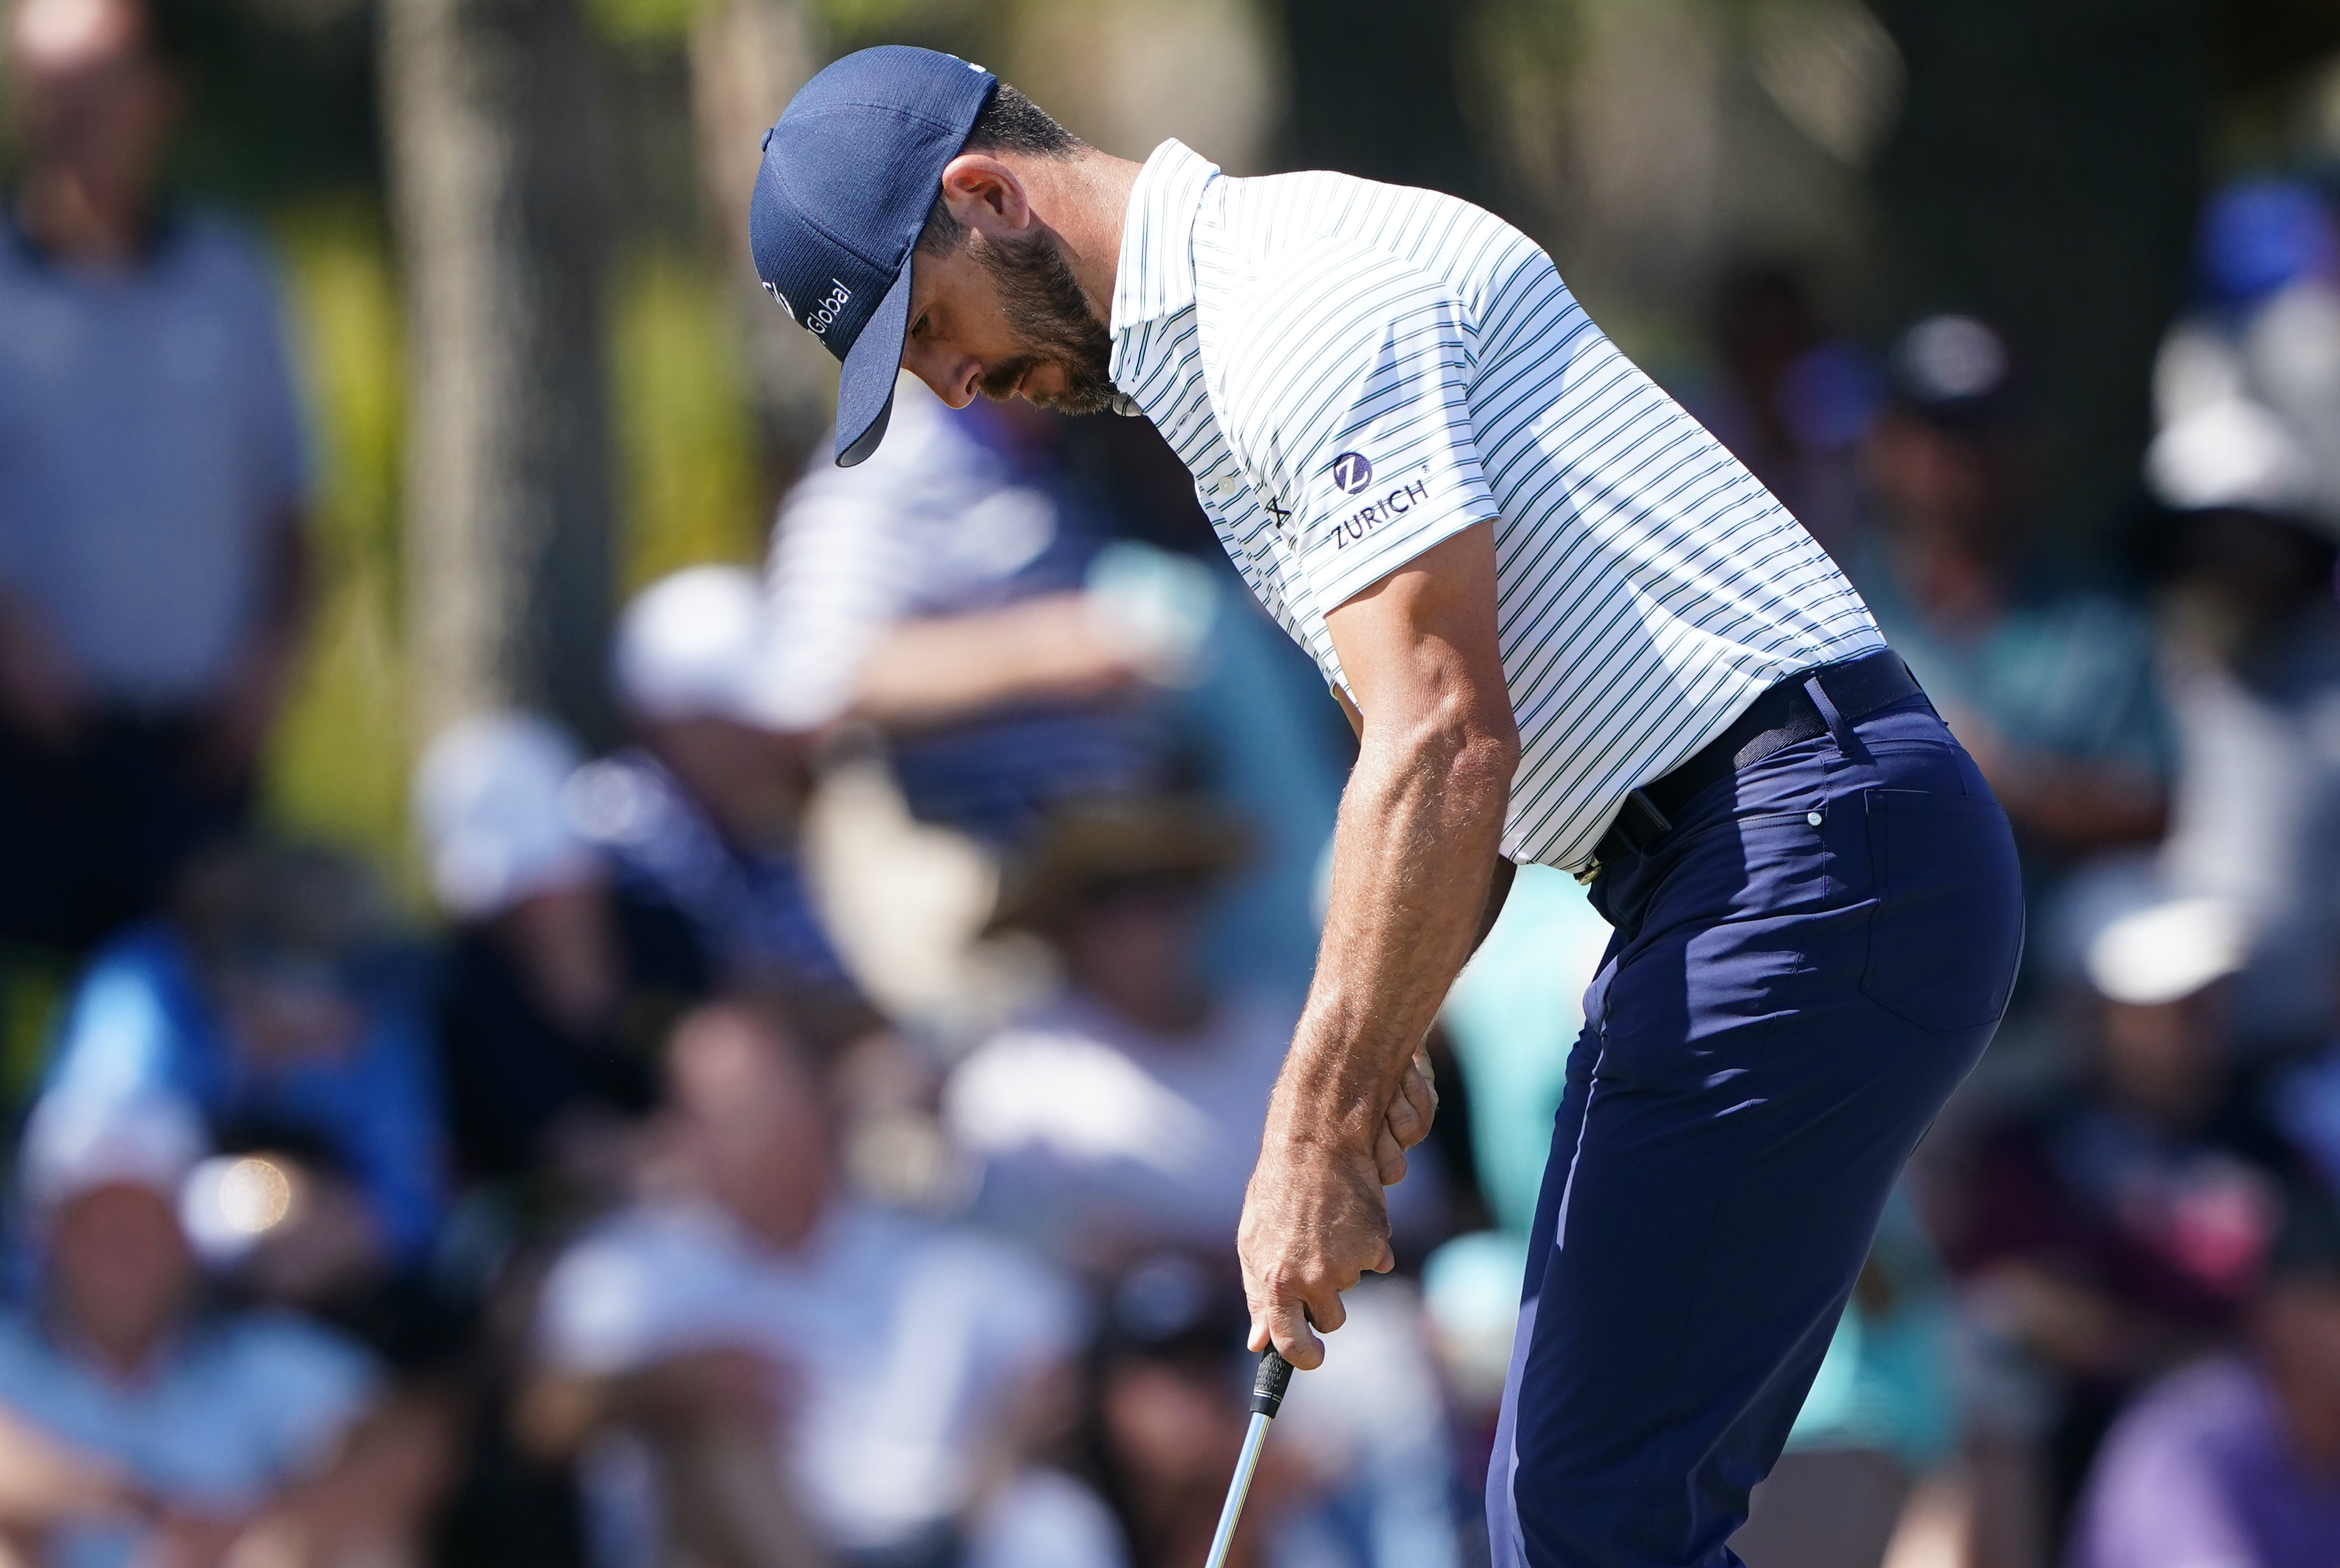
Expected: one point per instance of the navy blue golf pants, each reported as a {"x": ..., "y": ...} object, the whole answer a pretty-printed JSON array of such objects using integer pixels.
[{"x": 1805, "y": 965}]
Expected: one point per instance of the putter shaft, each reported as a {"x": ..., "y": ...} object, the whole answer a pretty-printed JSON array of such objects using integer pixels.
[
  {"x": 1224, "y": 1538},
  {"x": 1266, "y": 1399}
]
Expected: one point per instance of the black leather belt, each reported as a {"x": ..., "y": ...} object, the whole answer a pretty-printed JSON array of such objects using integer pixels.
[{"x": 1784, "y": 715}]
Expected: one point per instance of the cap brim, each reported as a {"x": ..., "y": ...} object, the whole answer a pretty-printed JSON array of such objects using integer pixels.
[{"x": 865, "y": 394}]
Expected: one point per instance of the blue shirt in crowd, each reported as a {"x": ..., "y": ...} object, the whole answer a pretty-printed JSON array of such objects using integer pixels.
[
  {"x": 751, "y": 909},
  {"x": 2065, "y": 677},
  {"x": 232, "y": 1410},
  {"x": 150, "y": 449},
  {"x": 141, "y": 1022}
]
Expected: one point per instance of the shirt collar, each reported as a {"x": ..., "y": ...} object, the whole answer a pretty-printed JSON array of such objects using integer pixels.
[{"x": 1156, "y": 276}]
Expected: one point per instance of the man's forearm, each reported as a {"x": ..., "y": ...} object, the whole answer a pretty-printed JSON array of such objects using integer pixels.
[
  {"x": 1420, "y": 828},
  {"x": 1420, "y": 831},
  {"x": 45, "y": 1481},
  {"x": 954, "y": 668}
]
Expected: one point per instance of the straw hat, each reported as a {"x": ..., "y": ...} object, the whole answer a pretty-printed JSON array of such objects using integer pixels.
[{"x": 1087, "y": 845}]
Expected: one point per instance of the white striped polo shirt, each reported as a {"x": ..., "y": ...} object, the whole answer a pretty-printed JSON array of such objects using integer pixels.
[{"x": 1355, "y": 371}]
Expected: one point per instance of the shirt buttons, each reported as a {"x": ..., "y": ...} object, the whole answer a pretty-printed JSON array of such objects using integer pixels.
[{"x": 1813, "y": 818}]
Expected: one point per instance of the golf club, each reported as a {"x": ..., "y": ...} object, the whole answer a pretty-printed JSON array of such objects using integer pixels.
[{"x": 1266, "y": 1398}]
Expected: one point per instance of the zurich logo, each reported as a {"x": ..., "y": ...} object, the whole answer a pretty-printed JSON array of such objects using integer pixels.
[
  {"x": 1352, "y": 472},
  {"x": 773, "y": 288}
]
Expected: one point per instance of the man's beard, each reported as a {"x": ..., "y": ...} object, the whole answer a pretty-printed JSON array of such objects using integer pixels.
[{"x": 1050, "y": 318}]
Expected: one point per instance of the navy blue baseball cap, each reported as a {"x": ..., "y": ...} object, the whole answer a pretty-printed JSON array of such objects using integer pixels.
[{"x": 849, "y": 173}]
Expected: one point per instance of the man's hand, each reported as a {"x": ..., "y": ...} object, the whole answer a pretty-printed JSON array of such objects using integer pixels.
[
  {"x": 1413, "y": 859},
  {"x": 1297, "y": 1192},
  {"x": 1407, "y": 1122},
  {"x": 1313, "y": 1224}
]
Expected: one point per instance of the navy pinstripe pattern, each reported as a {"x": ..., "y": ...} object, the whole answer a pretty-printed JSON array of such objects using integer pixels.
[{"x": 1355, "y": 371}]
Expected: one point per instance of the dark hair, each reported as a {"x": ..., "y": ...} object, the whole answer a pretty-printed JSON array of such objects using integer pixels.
[{"x": 1009, "y": 122}]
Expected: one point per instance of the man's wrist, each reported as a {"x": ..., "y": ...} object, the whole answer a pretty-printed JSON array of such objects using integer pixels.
[{"x": 1321, "y": 1120}]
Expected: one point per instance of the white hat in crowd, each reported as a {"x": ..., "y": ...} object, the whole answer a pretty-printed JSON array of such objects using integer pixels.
[
  {"x": 2232, "y": 454},
  {"x": 488, "y": 805},
  {"x": 691, "y": 645},
  {"x": 78, "y": 1141},
  {"x": 2135, "y": 940}
]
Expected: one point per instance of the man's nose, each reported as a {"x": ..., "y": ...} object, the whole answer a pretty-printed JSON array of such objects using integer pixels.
[{"x": 953, "y": 377}]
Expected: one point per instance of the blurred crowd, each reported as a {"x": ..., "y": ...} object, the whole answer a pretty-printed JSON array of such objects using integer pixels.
[{"x": 809, "y": 1132}]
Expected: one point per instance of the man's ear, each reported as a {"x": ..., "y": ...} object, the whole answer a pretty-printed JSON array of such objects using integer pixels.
[{"x": 982, "y": 192}]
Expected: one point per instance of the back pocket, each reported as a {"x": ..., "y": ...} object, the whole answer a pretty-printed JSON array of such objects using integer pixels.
[{"x": 1947, "y": 930}]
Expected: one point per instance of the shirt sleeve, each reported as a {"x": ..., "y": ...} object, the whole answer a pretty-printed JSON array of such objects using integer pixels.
[
  {"x": 2155, "y": 1501},
  {"x": 641, "y": 1288},
  {"x": 845, "y": 561},
  {"x": 1345, "y": 374},
  {"x": 316, "y": 1385},
  {"x": 125, "y": 1034},
  {"x": 392, "y": 1129}
]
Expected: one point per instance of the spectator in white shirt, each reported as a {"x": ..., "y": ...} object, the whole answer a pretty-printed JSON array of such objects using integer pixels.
[
  {"x": 1121, "y": 1117},
  {"x": 815, "y": 1381}
]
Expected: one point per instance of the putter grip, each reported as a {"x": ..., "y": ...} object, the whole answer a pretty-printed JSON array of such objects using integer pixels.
[{"x": 1267, "y": 1388}]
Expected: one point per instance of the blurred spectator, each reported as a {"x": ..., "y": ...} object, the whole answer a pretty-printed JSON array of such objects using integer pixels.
[
  {"x": 1512, "y": 1014},
  {"x": 1793, "y": 402},
  {"x": 2236, "y": 1460},
  {"x": 140, "y": 1425},
  {"x": 2053, "y": 690},
  {"x": 1122, "y": 1117},
  {"x": 704, "y": 812},
  {"x": 560, "y": 982},
  {"x": 938, "y": 592},
  {"x": 2120, "y": 1228},
  {"x": 815, "y": 1380},
  {"x": 151, "y": 486},
  {"x": 2265, "y": 328},
  {"x": 2252, "y": 666},
  {"x": 963, "y": 598},
  {"x": 1169, "y": 1419},
  {"x": 269, "y": 1000},
  {"x": 1361, "y": 1474}
]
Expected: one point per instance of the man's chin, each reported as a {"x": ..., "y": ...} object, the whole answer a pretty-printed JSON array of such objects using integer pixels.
[
  {"x": 1075, "y": 400},
  {"x": 1047, "y": 384},
  {"x": 1054, "y": 387}
]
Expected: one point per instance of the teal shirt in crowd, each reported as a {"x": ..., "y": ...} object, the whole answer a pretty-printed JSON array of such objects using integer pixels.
[{"x": 2067, "y": 677}]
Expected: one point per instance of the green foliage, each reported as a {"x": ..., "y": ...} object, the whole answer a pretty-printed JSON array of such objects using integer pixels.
[
  {"x": 35, "y": 984},
  {"x": 688, "y": 488},
  {"x": 644, "y": 23},
  {"x": 689, "y": 491},
  {"x": 338, "y": 764},
  {"x": 956, "y": 26}
]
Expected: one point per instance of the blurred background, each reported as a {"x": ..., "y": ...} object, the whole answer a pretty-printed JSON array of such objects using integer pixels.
[{"x": 579, "y": 987}]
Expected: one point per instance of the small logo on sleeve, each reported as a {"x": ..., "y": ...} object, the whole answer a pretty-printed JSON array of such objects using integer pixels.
[
  {"x": 1352, "y": 472},
  {"x": 1400, "y": 498}
]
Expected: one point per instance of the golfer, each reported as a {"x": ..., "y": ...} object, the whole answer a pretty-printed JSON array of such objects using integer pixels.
[{"x": 1570, "y": 629}]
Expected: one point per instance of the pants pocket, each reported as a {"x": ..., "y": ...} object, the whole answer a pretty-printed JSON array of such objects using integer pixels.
[{"x": 1946, "y": 932}]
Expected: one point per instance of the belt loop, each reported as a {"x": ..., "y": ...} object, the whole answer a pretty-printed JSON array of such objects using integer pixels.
[{"x": 1847, "y": 742}]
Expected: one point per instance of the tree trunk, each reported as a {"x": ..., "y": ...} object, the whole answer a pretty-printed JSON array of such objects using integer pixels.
[
  {"x": 1377, "y": 91},
  {"x": 2046, "y": 174},
  {"x": 496, "y": 195},
  {"x": 747, "y": 58}
]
